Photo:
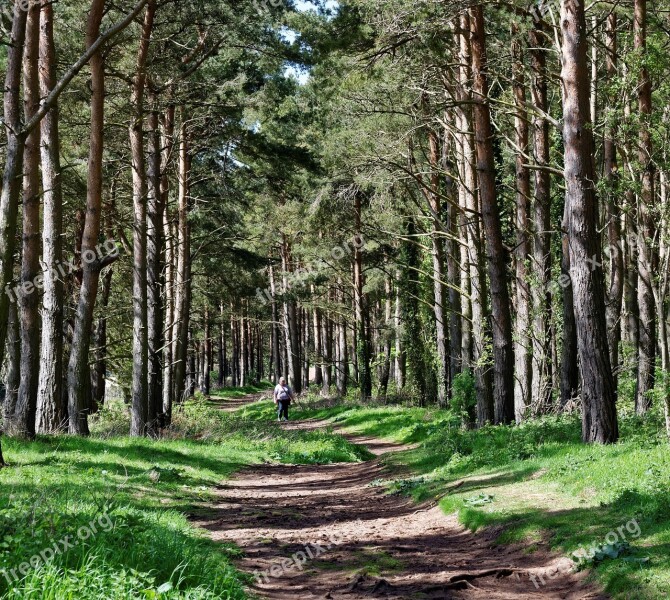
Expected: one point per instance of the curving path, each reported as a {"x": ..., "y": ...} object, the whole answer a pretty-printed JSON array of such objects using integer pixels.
[{"x": 328, "y": 531}]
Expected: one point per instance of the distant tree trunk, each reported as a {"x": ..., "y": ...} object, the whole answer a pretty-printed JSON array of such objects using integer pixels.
[
  {"x": 616, "y": 285},
  {"x": 327, "y": 345},
  {"x": 167, "y": 145},
  {"x": 290, "y": 321},
  {"x": 155, "y": 320},
  {"x": 221, "y": 381},
  {"x": 191, "y": 370},
  {"x": 503, "y": 354},
  {"x": 182, "y": 275},
  {"x": 207, "y": 366},
  {"x": 318, "y": 349},
  {"x": 456, "y": 302},
  {"x": 275, "y": 329},
  {"x": 305, "y": 329},
  {"x": 51, "y": 412},
  {"x": 244, "y": 345},
  {"x": 400, "y": 357},
  {"x": 26, "y": 404},
  {"x": 599, "y": 420},
  {"x": 342, "y": 365},
  {"x": 99, "y": 376},
  {"x": 646, "y": 250},
  {"x": 140, "y": 382},
  {"x": 362, "y": 342},
  {"x": 78, "y": 377},
  {"x": 386, "y": 339},
  {"x": 523, "y": 344},
  {"x": 542, "y": 334},
  {"x": 234, "y": 352},
  {"x": 569, "y": 367},
  {"x": 439, "y": 275}
]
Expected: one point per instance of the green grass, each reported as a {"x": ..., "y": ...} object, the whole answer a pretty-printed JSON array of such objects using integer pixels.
[
  {"x": 537, "y": 483},
  {"x": 136, "y": 493}
]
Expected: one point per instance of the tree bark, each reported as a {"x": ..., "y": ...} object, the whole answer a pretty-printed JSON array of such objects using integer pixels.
[
  {"x": 11, "y": 180},
  {"x": 99, "y": 376},
  {"x": 140, "y": 381},
  {"x": 182, "y": 283},
  {"x": 472, "y": 215},
  {"x": 503, "y": 355},
  {"x": 615, "y": 296},
  {"x": 26, "y": 404},
  {"x": 78, "y": 377},
  {"x": 542, "y": 338},
  {"x": 13, "y": 377},
  {"x": 523, "y": 343},
  {"x": 362, "y": 342},
  {"x": 646, "y": 250},
  {"x": 290, "y": 321},
  {"x": 51, "y": 411},
  {"x": 432, "y": 194},
  {"x": 170, "y": 250},
  {"x": 599, "y": 420}
]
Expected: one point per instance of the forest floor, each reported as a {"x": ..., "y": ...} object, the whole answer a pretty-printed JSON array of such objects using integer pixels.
[{"x": 333, "y": 531}]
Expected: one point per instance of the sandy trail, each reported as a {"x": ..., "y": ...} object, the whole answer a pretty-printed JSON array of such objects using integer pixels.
[{"x": 327, "y": 531}]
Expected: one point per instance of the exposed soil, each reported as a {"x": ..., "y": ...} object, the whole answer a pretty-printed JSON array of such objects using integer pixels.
[{"x": 328, "y": 531}]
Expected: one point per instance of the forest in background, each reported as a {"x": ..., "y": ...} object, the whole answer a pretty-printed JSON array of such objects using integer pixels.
[{"x": 460, "y": 205}]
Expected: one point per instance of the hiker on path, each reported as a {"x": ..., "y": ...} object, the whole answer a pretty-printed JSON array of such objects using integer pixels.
[{"x": 282, "y": 396}]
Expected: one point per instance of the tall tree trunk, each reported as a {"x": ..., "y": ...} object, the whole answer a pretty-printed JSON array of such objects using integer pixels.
[
  {"x": 599, "y": 420},
  {"x": 290, "y": 321},
  {"x": 183, "y": 257},
  {"x": 569, "y": 366},
  {"x": 362, "y": 342},
  {"x": 26, "y": 404},
  {"x": 140, "y": 382},
  {"x": 155, "y": 320},
  {"x": 646, "y": 250},
  {"x": 11, "y": 179},
  {"x": 400, "y": 356},
  {"x": 78, "y": 378},
  {"x": 615, "y": 295},
  {"x": 386, "y": 339},
  {"x": 278, "y": 371},
  {"x": 523, "y": 343},
  {"x": 51, "y": 413},
  {"x": 439, "y": 275},
  {"x": 318, "y": 350},
  {"x": 207, "y": 367},
  {"x": 503, "y": 354},
  {"x": 542, "y": 338},
  {"x": 471, "y": 215},
  {"x": 327, "y": 345},
  {"x": 222, "y": 354},
  {"x": 170, "y": 249}
]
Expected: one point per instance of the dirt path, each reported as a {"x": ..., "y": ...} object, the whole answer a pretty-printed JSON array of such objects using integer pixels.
[{"x": 329, "y": 532}]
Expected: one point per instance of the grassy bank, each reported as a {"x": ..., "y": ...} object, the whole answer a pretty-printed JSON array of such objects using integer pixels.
[
  {"x": 106, "y": 516},
  {"x": 538, "y": 483}
]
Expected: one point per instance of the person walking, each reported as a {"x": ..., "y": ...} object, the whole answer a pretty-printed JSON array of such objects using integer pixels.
[{"x": 283, "y": 395}]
